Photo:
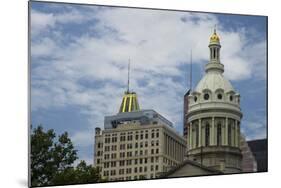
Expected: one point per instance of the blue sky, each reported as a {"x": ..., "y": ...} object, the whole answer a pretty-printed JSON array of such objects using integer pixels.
[{"x": 79, "y": 57}]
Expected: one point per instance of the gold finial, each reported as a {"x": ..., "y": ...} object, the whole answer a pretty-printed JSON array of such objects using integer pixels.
[{"x": 215, "y": 38}]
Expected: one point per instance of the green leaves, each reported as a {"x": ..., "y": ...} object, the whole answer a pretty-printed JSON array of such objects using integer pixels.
[
  {"x": 52, "y": 161},
  {"x": 83, "y": 173}
]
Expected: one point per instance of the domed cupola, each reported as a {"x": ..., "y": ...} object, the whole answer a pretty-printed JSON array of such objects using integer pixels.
[
  {"x": 214, "y": 38},
  {"x": 214, "y": 117},
  {"x": 214, "y": 88}
]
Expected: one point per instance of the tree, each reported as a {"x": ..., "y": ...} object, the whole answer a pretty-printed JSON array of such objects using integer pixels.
[
  {"x": 83, "y": 173},
  {"x": 49, "y": 157},
  {"x": 41, "y": 156},
  {"x": 52, "y": 161}
]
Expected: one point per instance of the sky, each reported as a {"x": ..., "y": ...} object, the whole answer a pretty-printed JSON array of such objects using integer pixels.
[{"x": 80, "y": 54}]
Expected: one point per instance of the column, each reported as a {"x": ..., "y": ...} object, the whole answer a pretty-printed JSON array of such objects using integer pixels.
[
  {"x": 168, "y": 148},
  {"x": 238, "y": 134},
  {"x": 169, "y": 144},
  {"x": 191, "y": 141},
  {"x": 165, "y": 143},
  {"x": 212, "y": 135},
  {"x": 226, "y": 131},
  {"x": 235, "y": 134},
  {"x": 200, "y": 136},
  {"x": 223, "y": 132},
  {"x": 188, "y": 136}
]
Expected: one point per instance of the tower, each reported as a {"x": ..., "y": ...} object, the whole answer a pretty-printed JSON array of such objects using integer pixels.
[
  {"x": 129, "y": 101},
  {"x": 214, "y": 117},
  {"x": 136, "y": 144}
]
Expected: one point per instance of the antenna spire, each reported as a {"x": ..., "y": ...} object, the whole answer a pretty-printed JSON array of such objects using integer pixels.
[
  {"x": 190, "y": 84},
  {"x": 215, "y": 29},
  {"x": 128, "y": 86}
]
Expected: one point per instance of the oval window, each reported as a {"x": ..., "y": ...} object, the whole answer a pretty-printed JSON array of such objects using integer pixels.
[
  {"x": 206, "y": 96},
  {"x": 195, "y": 99},
  {"x": 219, "y": 96},
  {"x": 231, "y": 98}
]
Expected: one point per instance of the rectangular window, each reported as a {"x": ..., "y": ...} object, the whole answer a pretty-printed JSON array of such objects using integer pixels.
[
  {"x": 121, "y": 171},
  {"x": 157, "y": 142},
  {"x": 121, "y": 163},
  {"x": 113, "y": 164},
  {"x": 156, "y": 159},
  {"x": 157, "y": 134},
  {"x": 129, "y": 162}
]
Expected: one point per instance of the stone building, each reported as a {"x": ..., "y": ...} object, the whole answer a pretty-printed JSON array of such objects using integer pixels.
[
  {"x": 248, "y": 163},
  {"x": 136, "y": 144},
  {"x": 214, "y": 117}
]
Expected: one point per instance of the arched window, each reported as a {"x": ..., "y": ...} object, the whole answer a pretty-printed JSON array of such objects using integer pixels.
[
  {"x": 219, "y": 134},
  {"x": 207, "y": 134},
  {"x": 229, "y": 134}
]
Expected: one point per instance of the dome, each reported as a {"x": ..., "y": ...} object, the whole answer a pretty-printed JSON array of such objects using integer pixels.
[
  {"x": 129, "y": 102},
  {"x": 213, "y": 81},
  {"x": 214, "y": 38}
]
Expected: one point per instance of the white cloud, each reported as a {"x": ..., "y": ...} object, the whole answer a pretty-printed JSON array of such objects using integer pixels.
[
  {"x": 83, "y": 138},
  {"x": 40, "y": 21},
  {"x": 254, "y": 129}
]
